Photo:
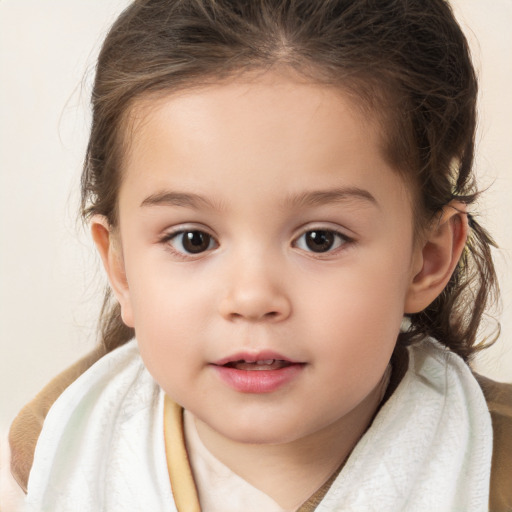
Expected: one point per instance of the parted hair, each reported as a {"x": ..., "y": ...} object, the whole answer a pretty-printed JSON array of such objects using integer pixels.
[{"x": 406, "y": 62}]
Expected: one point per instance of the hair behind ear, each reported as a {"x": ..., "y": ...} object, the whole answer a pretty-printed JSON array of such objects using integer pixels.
[
  {"x": 454, "y": 316},
  {"x": 437, "y": 256},
  {"x": 112, "y": 330}
]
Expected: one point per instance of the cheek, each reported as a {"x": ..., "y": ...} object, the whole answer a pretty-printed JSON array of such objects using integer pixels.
[
  {"x": 169, "y": 315},
  {"x": 164, "y": 299},
  {"x": 357, "y": 331},
  {"x": 367, "y": 290},
  {"x": 355, "y": 315}
]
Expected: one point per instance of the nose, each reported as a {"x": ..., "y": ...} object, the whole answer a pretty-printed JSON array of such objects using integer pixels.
[{"x": 255, "y": 294}]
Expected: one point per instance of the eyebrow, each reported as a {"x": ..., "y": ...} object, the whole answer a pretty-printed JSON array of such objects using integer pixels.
[
  {"x": 187, "y": 200},
  {"x": 337, "y": 195},
  {"x": 304, "y": 199}
]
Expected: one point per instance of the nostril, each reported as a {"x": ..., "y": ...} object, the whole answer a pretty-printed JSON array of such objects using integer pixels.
[
  {"x": 255, "y": 307},
  {"x": 271, "y": 315}
]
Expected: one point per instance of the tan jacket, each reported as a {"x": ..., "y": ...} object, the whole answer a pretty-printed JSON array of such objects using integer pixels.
[{"x": 27, "y": 426}]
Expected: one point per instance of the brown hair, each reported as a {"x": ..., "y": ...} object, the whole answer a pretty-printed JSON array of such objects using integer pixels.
[{"x": 406, "y": 60}]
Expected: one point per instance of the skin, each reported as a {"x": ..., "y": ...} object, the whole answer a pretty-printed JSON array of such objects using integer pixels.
[{"x": 258, "y": 152}]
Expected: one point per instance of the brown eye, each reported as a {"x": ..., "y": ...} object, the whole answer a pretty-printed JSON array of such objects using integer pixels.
[
  {"x": 320, "y": 240},
  {"x": 192, "y": 242}
]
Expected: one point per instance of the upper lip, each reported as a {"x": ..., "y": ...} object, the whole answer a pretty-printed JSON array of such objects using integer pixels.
[{"x": 253, "y": 357}]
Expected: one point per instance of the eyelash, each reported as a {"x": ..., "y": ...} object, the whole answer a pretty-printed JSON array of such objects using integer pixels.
[
  {"x": 170, "y": 237},
  {"x": 336, "y": 238},
  {"x": 339, "y": 240}
]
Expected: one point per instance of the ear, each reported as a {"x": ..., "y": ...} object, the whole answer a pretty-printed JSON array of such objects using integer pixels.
[
  {"x": 437, "y": 257},
  {"x": 109, "y": 246}
]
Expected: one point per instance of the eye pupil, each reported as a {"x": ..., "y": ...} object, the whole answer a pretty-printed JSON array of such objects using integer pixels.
[
  {"x": 196, "y": 241},
  {"x": 319, "y": 241}
]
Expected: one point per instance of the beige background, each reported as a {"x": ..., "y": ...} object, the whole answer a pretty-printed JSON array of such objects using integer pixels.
[{"x": 50, "y": 277}]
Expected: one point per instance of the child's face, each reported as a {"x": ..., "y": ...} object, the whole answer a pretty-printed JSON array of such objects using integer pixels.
[{"x": 260, "y": 221}]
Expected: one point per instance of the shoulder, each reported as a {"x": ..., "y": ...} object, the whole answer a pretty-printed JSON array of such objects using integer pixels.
[
  {"x": 108, "y": 422},
  {"x": 499, "y": 401},
  {"x": 26, "y": 427}
]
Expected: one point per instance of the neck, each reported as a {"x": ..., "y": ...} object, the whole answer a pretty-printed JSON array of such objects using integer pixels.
[{"x": 291, "y": 472}]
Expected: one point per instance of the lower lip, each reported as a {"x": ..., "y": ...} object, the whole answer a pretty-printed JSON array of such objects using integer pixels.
[{"x": 258, "y": 381}]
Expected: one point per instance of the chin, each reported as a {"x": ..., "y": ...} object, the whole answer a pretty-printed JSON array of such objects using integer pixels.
[{"x": 264, "y": 432}]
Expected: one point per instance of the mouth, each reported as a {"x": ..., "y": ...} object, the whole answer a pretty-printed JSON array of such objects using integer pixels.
[
  {"x": 263, "y": 360},
  {"x": 260, "y": 373},
  {"x": 259, "y": 365}
]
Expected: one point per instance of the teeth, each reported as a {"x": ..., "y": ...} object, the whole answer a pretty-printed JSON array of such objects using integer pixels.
[{"x": 260, "y": 364}]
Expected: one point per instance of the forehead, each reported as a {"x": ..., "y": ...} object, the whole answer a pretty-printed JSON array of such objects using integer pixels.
[
  {"x": 252, "y": 99},
  {"x": 270, "y": 128}
]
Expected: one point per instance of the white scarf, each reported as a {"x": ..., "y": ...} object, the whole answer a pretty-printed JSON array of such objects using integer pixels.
[{"x": 428, "y": 450}]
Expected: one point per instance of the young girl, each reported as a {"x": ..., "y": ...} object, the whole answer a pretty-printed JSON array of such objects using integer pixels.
[{"x": 280, "y": 192}]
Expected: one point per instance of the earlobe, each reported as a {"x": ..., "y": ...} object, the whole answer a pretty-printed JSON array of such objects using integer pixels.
[
  {"x": 109, "y": 248},
  {"x": 438, "y": 257}
]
